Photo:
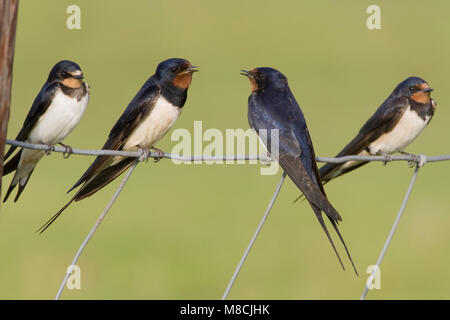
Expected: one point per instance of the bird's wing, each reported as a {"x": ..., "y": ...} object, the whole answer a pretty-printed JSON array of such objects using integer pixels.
[
  {"x": 40, "y": 105},
  {"x": 12, "y": 164},
  {"x": 101, "y": 171},
  {"x": 99, "y": 181},
  {"x": 295, "y": 169},
  {"x": 134, "y": 114},
  {"x": 381, "y": 122},
  {"x": 295, "y": 150},
  {"x": 297, "y": 158},
  {"x": 304, "y": 173}
]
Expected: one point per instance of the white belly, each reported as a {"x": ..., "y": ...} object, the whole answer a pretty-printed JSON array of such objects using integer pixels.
[
  {"x": 155, "y": 126},
  {"x": 59, "y": 120},
  {"x": 406, "y": 130}
]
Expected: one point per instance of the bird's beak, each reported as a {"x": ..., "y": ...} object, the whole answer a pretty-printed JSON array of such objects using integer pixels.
[
  {"x": 251, "y": 76},
  {"x": 191, "y": 69},
  {"x": 427, "y": 90},
  {"x": 246, "y": 73},
  {"x": 77, "y": 74}
]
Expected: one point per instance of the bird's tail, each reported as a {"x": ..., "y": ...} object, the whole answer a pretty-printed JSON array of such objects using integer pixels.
[
  {"x": 23, "y": 163},
  {"x": 92, "y": 186},
  {"x": 324, "y": 227},
  {"x": 20, "y": 182},
  {"x": 55, "y": 216},
  {"x": 12, "y": 164},
  {"x": 335, "y": 226},
  {"x": 21, "y": 186},
  {"x": 9, "y": 167},
  {"x": 318, "y": 213},
  {"x": 315, "y": 194}
]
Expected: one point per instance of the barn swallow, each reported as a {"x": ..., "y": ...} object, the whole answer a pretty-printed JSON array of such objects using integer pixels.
[
  {"x": 148, "y": 117},
  {"x": 272, "y": 106},
  {"x": 55, "y": 112},
  {"x": 396, "y": 123}
]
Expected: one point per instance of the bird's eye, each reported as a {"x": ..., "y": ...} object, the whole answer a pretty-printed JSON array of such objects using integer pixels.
[
  {"x": 175, "y": 69},
  {"x": 412, "y": 89},
  {"x": 64, "y": 74},
  {"x": 260, "y": 75}
]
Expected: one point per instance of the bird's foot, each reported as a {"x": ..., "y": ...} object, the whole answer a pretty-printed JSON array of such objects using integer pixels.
[
  {"x": 411, "y": 163},
  {"x": 51, "y": 147},
  {"x": 68, "y": 150},
  {"x": 145, "y": 154},
  {"x": 159, "y": 152},
  {"x": 387, "y": 157},
  {"x": 419, "y": 160}
]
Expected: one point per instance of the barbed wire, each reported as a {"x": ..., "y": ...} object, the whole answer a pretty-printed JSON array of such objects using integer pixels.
[{"x": 420, "y": 160}]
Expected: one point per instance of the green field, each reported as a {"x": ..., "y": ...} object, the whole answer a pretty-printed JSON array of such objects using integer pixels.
[{"x": 178, "y": 231}]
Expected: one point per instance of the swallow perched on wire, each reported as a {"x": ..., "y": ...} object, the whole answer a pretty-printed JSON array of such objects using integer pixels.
[
  {"x": 148, "y": 117},
  {"x": 396, "y": 123},
  {"x": 272, "y": 106},
  {"x": 55, "y": 112}
]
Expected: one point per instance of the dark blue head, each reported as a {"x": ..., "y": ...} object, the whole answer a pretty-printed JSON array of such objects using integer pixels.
[
  {"x": 68, "y": 73},
  {"x": 414, "y": 87},
  {"x": 175, "y": 71},
  {"x": 263, "y": 78}
]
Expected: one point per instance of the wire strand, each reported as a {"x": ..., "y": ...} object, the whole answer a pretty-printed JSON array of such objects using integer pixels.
[
  {"x": 94, "y": 228},
  {"x": 391, "y": 233},
  {"x": 420, "y": 160},
  {"x": 252, "y": 241},
  {"x": 262, "y": 157}
]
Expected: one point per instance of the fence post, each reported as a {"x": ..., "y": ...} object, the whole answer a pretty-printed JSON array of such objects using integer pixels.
[{"x": 8, "y": 21}]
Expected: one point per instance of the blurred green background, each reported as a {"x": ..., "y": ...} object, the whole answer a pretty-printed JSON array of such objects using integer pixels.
[{"x": 177, "y": 232}]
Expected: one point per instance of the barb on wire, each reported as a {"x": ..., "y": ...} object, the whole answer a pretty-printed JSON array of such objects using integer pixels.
[
  {"x": 94, "y": 228},
  {"x": 394, "y": 227},
  {"x": 261, "y": 157},
  {"x": 252, "y": 241}
]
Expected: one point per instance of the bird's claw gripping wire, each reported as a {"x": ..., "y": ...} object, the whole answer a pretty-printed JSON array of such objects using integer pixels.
[
  {"x": 50, "y": 147},
  {"x": 159, "y": 152},
  {"x": 411, "y": 163},
  {"x": 387, "y": 158},
  {"x": 419, "y": 159},
  {"x": 67, "y": 150},
  {"x": 145, "y": 153}
]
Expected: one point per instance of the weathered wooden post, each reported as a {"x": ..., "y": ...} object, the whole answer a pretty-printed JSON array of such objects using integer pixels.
[{"x": 8, "y": 20}]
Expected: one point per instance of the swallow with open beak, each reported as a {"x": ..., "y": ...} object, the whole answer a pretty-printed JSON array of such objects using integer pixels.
[
  {"x": 272, "y": 106},
  {"x": 148, "y": 117}
]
